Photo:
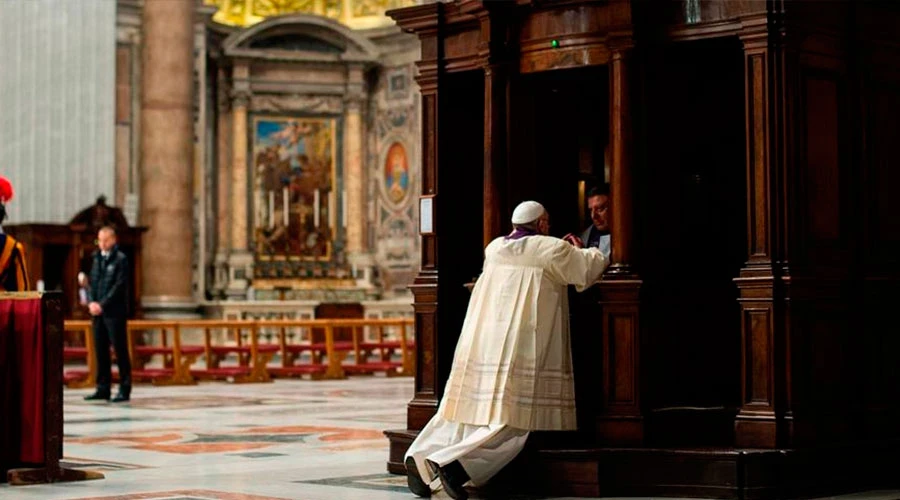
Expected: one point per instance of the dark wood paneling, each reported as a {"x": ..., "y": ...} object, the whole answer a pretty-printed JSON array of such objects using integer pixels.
[
  {"x": 757, "y": 143},
  {"x": 765, "y": 231},
  {"x": 581, "y": 32},
  {"x": 823, "y": 158},
  {"x": 757, "y": 326},
  {"x": 690, "y": 206},
  {"x": 623, "y": 330},
  {"x": 699, "y": 13},
  {"x": 883, "y": 177}
]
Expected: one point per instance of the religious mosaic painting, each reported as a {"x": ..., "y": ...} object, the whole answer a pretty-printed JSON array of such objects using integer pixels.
[
  {"x": 396, "y": 173},
  {"x": 295, "y": 197}
]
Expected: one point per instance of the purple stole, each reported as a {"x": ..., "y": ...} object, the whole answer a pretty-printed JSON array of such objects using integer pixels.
[{"x": 520, "y": 233}]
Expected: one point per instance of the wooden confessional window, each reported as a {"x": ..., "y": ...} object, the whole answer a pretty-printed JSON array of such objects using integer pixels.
[{"x": 559, "y": 131}]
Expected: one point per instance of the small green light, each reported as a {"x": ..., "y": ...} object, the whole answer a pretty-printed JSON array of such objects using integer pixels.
[{"x": 554, "y": 44}]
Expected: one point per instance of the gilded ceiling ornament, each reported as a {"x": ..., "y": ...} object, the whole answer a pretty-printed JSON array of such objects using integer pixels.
[
  {"x": 267, "y": 8},
  {"x": 354, "y": 13}
]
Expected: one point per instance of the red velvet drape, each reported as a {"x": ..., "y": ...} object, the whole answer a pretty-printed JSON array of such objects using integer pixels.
[{"x": 22, "y": 384}]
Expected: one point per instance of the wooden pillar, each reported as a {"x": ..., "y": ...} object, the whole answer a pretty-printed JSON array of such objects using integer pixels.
[
  {"x": 425, "y": 286},
  {"x": 497, "y": 69},
  {"x": 496, "y": 99},
  {"x": 764, "y": 358},
  {"x": 620, "y": 137},
  {"x": 427, "y": 20},
  {"x": 620, "y": 420}
]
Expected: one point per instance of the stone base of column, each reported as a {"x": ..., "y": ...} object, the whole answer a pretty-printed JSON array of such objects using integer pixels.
[
  {"x": 363, "y": 266},
  {"x": 220, "y": 278},
  {"x": 170, "y": 308},
  {"x": 240, "y": 272}
]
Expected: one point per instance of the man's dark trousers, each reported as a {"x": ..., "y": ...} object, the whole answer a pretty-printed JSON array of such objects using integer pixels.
[{"x": 111, "y": 330}]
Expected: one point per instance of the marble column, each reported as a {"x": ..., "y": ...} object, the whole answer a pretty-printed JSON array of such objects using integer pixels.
[
  {"x": 353, "y": 178},
  {"x": 240, "y": 260},
  {"x": 167, "y": 157},
  {"x": 355, "y": 175}
]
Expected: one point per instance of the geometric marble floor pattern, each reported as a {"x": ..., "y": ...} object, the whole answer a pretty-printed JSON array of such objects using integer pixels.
[{"x": 291, "y": 439}]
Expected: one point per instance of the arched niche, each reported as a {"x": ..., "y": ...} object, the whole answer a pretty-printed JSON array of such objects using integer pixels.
[{"x": 293, "y": 91}]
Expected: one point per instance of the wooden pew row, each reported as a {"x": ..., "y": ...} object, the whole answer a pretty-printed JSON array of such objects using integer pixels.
[
  {"x": 364, "y": 344},
  {"x": 361, "y": 345},
  {"x": 177, "y": 358},
  {"x": 253, "y": 356},
  {"x": 77, "y": 378}
]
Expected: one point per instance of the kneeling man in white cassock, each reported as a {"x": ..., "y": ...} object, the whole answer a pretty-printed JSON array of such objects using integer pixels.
[{"x": 512, "y": 369}]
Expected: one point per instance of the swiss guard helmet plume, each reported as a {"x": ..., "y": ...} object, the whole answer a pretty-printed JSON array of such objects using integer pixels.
[{"x": 6, "y": 190}]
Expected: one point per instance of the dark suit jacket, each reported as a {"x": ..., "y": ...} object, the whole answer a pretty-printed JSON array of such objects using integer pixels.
[{"x": 109, "y": 283}]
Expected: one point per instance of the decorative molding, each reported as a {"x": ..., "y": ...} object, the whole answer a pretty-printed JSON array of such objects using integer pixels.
[
  {"x": 327, "y": 104},
  {"x": 357, "y": 46}
]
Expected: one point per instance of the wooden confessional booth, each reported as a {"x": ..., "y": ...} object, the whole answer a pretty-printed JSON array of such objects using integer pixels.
[{"x": 733, "y": 348}]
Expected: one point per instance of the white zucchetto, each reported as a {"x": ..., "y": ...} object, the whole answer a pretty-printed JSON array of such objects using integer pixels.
[{"x": 527, "y": 211}]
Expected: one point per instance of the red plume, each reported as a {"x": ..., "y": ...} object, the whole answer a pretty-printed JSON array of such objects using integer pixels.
[{"x": 6, "y": 190}]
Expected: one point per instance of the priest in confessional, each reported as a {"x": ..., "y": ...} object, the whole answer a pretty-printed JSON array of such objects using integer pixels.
[
  {"x": 13, "y": 271},
  {"x": 597, "y": 234}
]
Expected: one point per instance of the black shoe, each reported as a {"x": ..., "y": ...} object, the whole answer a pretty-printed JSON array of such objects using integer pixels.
[
  {"x": 414, "y": 480},
  {"x": 121, "y": 398},
  {"x": 97, "y": 396},
  {"x": 453, "y": 477}
]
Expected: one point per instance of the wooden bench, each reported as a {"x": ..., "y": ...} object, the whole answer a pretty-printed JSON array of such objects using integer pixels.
[
  {"x": 177, "y": 358},
  {"x": 364, "y": 345},
  {"x": 368, "y": 336},
  {"x": 77, "y": 378},
  {"x": 291, "y": 352},
  {"x": 252, "y": 358}
]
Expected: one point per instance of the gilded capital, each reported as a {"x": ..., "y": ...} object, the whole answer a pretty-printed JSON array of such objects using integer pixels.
[{"x": 240, "y": 98}]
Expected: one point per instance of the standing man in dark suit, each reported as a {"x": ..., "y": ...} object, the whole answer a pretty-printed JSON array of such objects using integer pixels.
[{"x": 108, "y": 305}]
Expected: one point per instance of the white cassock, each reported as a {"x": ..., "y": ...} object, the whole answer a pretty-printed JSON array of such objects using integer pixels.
[{"x": 512, "y": 369}]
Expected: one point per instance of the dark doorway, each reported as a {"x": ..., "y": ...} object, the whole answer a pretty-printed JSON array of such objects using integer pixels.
[
  {"x": 460, "y": 214},
  {"x": 690, "y": 243}
]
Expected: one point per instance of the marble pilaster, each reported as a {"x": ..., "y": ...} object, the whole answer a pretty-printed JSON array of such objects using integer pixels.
[
  {"x": 223, "y": 185},
  {"x": 240, "y": 259},
  {"x": 354, "y": 172}
]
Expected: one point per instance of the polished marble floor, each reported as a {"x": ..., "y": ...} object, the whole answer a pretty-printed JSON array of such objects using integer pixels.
[{"x": 291, "y": 439}]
